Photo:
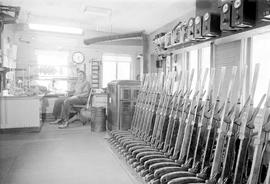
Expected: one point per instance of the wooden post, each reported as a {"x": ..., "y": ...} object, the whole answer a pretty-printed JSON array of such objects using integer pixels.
[
  {"x": 2, "y": 74},
  {"x": 146, "y": 54}
]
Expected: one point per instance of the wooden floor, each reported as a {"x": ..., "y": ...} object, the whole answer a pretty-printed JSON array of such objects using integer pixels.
[{"x": 53, "y": 156}]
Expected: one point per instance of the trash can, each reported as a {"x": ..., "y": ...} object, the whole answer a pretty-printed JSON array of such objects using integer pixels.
[{"x": 99, "y": 120}]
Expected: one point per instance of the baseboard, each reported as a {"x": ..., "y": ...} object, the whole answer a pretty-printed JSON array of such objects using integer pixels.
[{"x": 20, "y": 130}]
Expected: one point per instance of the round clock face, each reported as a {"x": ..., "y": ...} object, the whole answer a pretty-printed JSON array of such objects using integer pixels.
[
  {"x": 225, "y": 8},
  {"x": 237, "y": 3},
  {"x": 190, "y": 22},
  {"x": 77, "y": 57},
  {"x": 206, "y": 16},
  {"x": 198, "y": 20}
]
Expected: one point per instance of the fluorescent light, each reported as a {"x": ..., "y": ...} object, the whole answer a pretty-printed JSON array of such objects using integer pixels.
[
  {"x": 58, "y": 29},
  {"x": 97, "y": 11}
]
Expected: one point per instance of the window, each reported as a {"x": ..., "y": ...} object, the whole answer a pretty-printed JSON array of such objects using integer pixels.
[
  {"x": 109, "y": 72},
  {"x": 260, "y": 48},
  {"x": 115, "y": 67},
  {"x": 52, "y": 69}
]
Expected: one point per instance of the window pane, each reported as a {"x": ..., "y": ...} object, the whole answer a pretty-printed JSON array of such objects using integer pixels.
[
  {"x": 112, "y": 57},
  {"x": 261, "y": 44},
  {"x": 45, "y": 83},
  {"x": 61, "y": 84},
  {"x": 116, "y": 67},
  {"x": 57, "y": 86},
  {"x": 47, "y": 71},
  {"x": 52, "y": 66},
  {"x": 124, "y": 58},
  {"x": 123, "y": 71},
  {"x": 109, "y": 72}
]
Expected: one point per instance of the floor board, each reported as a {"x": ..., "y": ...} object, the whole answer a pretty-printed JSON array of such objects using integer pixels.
[{"x": 71, "y": 156}]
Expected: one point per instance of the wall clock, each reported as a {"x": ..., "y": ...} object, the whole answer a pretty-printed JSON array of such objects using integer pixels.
[{"x": 78, "y": 57}]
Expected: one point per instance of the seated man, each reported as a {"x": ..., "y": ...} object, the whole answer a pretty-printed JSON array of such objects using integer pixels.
[{"x": 63, "y": 106}]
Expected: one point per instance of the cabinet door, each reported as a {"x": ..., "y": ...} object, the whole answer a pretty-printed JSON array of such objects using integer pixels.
[{"x": 19, "y": 113}]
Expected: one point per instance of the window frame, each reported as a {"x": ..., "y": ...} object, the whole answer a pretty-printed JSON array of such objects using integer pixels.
[
  {"x": 116, "y": 61},
  {"x": 40, "y": 52}
]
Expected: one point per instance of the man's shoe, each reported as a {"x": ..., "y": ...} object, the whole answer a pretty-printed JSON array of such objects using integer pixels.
[
  {"x": 65, "y": 125},
  {"x": 56, "y": 121}
]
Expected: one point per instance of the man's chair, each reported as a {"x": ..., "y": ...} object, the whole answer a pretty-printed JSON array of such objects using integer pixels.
[{"x": 82, "y": 112}]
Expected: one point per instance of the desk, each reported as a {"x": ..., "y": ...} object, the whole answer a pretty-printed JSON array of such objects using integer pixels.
[
  {"x": 47, "y": 107},
  {"x": 19, "y": 112}
]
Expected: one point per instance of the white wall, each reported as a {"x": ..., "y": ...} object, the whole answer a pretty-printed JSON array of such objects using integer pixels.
[{"x": 166, "y": 28}]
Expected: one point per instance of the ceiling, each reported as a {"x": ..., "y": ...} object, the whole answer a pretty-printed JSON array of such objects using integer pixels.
[{"x": 126, "y": 15}]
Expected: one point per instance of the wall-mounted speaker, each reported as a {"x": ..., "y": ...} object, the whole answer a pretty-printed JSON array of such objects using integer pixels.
[
  {"x": 226, "y": 17},
  {"x": 198, "y": 28},
  {"x": 159, "y": 40},
  {"x": 175, "y": 34},
  {"x": 211, "y": 25},
  {"x": 263, "y": 10},
  {"x": 183, "y": 33},
  {"x": 243, "y": 13},
  {"x": 191, "y": 29},
  {"x": 168, "y": 39}
]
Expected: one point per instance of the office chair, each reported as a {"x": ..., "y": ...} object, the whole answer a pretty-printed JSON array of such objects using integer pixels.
[{"x": 82, "y": 112}]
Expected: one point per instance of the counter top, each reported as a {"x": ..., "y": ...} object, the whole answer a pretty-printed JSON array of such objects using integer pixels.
[{"x": 20, "y": 97}]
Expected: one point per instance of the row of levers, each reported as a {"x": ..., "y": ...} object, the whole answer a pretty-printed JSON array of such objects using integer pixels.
[{"x": 206, "y": 128}]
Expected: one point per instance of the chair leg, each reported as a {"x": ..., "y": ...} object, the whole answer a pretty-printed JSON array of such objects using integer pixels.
[
  {"x": 73, "y": 118},
  {"x": 79, "y": 117}
]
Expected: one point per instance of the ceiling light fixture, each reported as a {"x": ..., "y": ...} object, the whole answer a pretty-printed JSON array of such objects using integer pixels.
[
  {"x": 97, "y": 11},
  {"x": 52, "y": 28}
]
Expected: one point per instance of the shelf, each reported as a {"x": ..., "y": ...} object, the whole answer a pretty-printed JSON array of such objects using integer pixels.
[
  {"x": 4, "y": 69},
  {"x": 224, "y": 38}
]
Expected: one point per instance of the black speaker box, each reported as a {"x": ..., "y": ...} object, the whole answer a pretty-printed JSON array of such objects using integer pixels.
[
  {"x": 226, "y": 17},
  {"x": 198, "y": 28},
  {"x": 263, "y": 10},
  {"x": 243, "y": 13},
  {"x": 211, "y": 25}
]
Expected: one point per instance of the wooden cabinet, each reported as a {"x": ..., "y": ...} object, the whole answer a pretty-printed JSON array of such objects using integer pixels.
[
  {"x": 122, "y": 95},
  {"x": 19, "y": 112}
]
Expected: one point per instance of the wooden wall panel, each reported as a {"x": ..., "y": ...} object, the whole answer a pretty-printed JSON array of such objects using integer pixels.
[
  {"x": 228, "y": 55},
  {"x": 203, "y": 6}
]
